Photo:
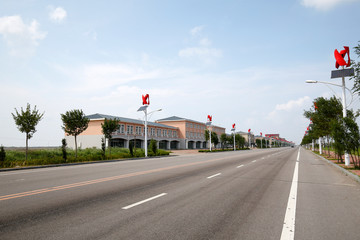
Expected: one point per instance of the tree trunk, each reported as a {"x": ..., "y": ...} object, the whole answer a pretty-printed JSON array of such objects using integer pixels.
[
  {"x": 110, "y": 147},
  {"x": 327, "y": 138},
  {"x": 26, "y": 149},
  {"x": 75, "y": 148}
]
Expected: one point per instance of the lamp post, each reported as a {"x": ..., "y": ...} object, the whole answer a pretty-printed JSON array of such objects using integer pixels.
[
  {"x": 347, "y": 158},
  {"x": 233, "y": 129},
  {"x": 208, "y": 123},
  {"x": 146, "y": 103}
]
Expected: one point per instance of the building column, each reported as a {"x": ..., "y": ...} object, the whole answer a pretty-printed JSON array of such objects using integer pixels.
[{"x": 168, "y": 145}]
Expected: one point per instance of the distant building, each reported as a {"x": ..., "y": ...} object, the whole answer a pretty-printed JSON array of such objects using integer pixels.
[
  {"x": 191, "y": 132},
  {"x": 248, "y": 136},
  {"x": 131, "y": 130},
  {"x": 170, "y": 133}
]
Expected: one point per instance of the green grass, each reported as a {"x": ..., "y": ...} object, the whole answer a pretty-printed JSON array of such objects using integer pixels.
[{"x": 16, "y": 158}]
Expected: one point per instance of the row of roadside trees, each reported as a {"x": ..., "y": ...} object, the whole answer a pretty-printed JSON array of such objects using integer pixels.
[
  {"x": 342, "y": 134},
  {"x": 327, "y": 122},
  {"x": 74, "y": 123}
]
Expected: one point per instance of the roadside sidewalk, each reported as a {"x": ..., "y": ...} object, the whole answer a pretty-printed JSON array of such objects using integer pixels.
[{"x": 354, "y": 174}]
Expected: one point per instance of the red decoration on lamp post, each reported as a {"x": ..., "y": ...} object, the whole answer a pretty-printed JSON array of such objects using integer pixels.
[
  {"x": 339, "y": 56},
  {"x": 146, "y": 99},
  {"x": 209, "y": 118}
]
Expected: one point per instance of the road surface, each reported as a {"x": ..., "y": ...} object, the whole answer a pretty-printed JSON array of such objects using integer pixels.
[{"x": 284, "y": 193}]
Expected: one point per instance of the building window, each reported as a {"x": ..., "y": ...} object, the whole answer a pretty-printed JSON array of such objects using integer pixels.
[
  {"x": 138, "y": 130},
  {"x": 164, "y": 133},
  {"x": 121, "y": 129},
  {"x": 152, "y": 131},
  {"x": 174, "y": 134},
  {"x": 130, "y": 129},
  {"x": 158, "y": 132}
]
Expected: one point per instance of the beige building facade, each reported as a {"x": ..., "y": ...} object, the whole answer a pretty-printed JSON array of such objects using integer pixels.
[
  {"x": 169, "y": 133},
  {"x": 191, "y": 132}
]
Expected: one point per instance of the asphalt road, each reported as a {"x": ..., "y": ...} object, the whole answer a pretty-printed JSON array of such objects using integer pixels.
[{"x": 282, "y": 193}]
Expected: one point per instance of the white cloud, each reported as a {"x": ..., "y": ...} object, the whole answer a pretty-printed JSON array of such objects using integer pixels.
[
  {"x": 288, "y": 107},
  {"x": 57, "y": 14},
  {"x": 203, "y": 51},
  {"x": 205, "y": 42},
  {"x": 20, "y": 37},
  {"x": 292, "y": 104},
  {"x": 196, "y": 30},
  {"x": 324, "y": 4}
]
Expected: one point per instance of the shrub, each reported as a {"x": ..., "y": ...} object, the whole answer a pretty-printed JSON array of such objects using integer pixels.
[
  {"x": 153, "y": 146},
  {"x": 2, "y": 155},
  {"x": 131, "y": 148},
  {"x": 103, "y": 148},
  {"x": 63, "y": 149}
]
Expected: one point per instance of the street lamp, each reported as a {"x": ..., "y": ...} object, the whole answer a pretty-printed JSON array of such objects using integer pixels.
[
  {"x": 208, "y": 123},
  {"x": 144, "y": 109},
  {"x": 347, "y": 158},
  {"x": 233, "y": 129}
]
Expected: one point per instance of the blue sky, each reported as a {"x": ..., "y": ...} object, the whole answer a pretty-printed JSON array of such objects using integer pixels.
[{"x": 243, "y": 62}]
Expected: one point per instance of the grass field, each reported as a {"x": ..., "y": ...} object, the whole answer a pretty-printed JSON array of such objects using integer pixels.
[{"x": 16, "y": 157}]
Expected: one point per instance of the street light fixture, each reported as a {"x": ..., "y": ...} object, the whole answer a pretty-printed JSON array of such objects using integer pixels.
[
  {"x": 144, "y": 109},
  {"x": 347, "y": 158}
]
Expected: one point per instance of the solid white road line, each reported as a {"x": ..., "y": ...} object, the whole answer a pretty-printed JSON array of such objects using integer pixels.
[
  {"x": 240, "y": 166},
  {"x": 214, "y": 175},
  {"x": 144, "y": 201},
  {"x": 288, "y": 231},
  {"x": 254, "y": 161}
]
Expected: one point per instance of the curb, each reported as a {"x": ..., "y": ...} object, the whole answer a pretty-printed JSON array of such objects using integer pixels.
[
  {"x": 343, "y": 170},
  {"x": 81, "y": 163}
]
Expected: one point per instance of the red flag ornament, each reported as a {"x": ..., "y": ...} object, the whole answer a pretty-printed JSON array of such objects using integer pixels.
[
  {"x": 233, "y": 126},
  {"x": 209, "y": 118},
  {"x": 146, "y": 99},
  {"x": 339, "y": 56},
  {"x": 249, "y": 130}
]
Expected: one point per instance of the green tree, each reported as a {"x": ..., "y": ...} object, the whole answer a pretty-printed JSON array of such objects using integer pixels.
[
  {"x": 63, "y": 149},
  {"x": 230, "y": 140},
  {"x": 26, "y": 122},
  {"x": 223, "y": 140},
  {"x": 103, "y": 148},
  {"x": 131, "y": 148},
  {"x": 108, "y": 128},
  {"x": 258, "y": 143},
  {"x": 207, "y": 135},
  {"x": 328, "y": 110},
  {"x": 153, "y": 146},
  {"x": 352, "y": 142},
  {"x": 263, "y": 143},
  {"x": 356, "y": 66},
  {"x": 74, "y": 123},
  {"x": 240, "y": 140},
  {"x": 214, "y": 138}
]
